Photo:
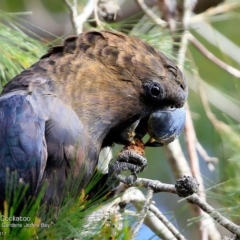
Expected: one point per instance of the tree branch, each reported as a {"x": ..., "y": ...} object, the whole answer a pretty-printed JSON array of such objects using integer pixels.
[
  {"x": 233, "y": 71},
  {"x": 78, "y": 20},
  {"x": 143, "y": 213},
  {"x": 152, "y": 16},
  {"x": 157, "y": 186}
]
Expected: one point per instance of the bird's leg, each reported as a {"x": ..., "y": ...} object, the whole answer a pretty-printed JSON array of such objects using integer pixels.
[{"x": 131, "y": 158}]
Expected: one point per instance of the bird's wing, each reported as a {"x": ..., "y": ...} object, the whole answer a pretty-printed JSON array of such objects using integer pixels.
[
  {"x": 72, "y": 156},
  {"x": 40, "y": 138},
  {"x": 22, "y": 139},
  {"x": 67, "y": 140}
]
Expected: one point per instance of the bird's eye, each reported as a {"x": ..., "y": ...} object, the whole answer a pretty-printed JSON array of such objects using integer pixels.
[
  {"x": 172, "y": 107},
  {"x": 155, "y": 91}
]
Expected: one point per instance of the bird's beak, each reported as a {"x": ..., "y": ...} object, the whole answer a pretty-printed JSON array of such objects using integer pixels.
[{"x": 165, "y": 126}]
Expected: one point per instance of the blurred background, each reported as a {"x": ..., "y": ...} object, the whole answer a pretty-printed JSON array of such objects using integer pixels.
[{"x": 211, "y": 65}]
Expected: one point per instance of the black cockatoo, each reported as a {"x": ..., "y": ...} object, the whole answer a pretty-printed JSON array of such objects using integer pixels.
[{"x": 97, "y": 89}]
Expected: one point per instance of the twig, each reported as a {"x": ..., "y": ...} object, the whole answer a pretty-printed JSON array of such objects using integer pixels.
[
  {"x": 192, "y": 152},
  {"x": 194, "y": 162},
  {"x": 188, "y": 8},
  {"x": 216, "y": 123},
  {"x": 221, "y": 8},
  {"x": 217, "y": 39},
  {"x": 160, "y": 187},
  {"x": 194, "y": 199},
  {"x": 73, "y": 12},
  {"x": 233, "y": 71},
  {"x": 193, "y": 145},
  {"x": 178, "y": 162},
  {"x": 190, "y": 135},
  {"x": 168, "y": 224},
  {"x": 155, "y": 184},
  {"x": 188, "y": 12},
  {"x": 152, "y": 16},
  {"x": 209, "y": 160},
  {"x": 154, "y": 219},
  {"x": 232, "y": 227},
  {"x": 163, "y": 229},
  {"x": 216, "y": 97},
  {"x": 219, "y": 125},
  {"x": 169, "y": 13},
  {"x": 143, "y": 213},
  {"x": 135, "y": 196},
  {"x": 79, "y": 20},
  {"x": 99, "y": 23}
]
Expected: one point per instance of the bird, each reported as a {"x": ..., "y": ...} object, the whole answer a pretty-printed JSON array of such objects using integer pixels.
[{"x": 96, "y": 89}]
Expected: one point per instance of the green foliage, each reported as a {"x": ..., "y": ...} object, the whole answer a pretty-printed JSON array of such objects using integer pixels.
[
  {"x": 67, "y": 220},
  {"x": 18, "y": 50}
]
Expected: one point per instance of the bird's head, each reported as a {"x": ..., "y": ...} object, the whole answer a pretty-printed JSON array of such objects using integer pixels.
[{"x": 123, "y": 88}]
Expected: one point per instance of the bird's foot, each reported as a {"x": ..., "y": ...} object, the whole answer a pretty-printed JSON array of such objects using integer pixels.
[{"x": 132, "y": 159}]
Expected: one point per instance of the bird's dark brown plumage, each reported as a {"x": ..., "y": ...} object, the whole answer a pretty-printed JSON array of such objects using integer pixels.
[{"x": 79, "y": 98}]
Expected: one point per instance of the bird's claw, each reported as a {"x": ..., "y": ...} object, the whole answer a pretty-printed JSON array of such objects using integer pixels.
[{"x": 127, "y": 160}]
